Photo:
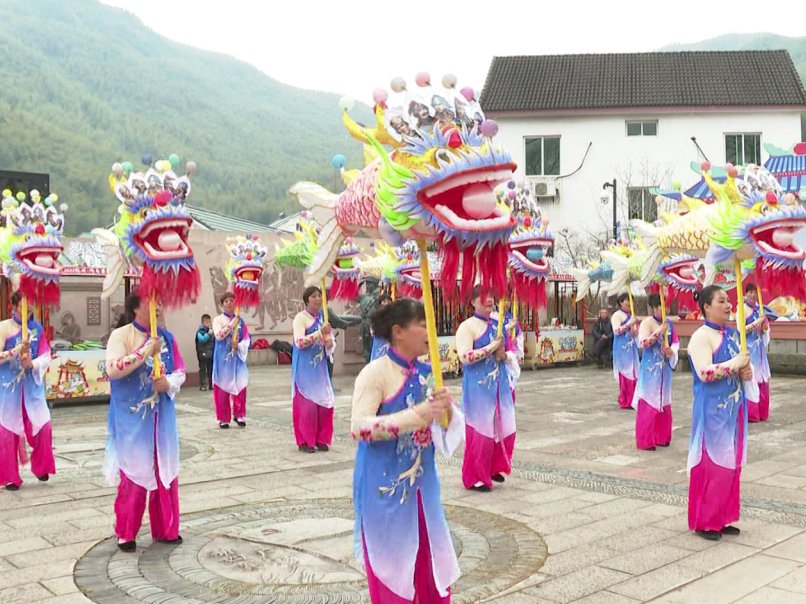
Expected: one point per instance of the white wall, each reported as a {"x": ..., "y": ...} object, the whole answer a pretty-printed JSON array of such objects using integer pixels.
[{"x": 637, "y": 160}]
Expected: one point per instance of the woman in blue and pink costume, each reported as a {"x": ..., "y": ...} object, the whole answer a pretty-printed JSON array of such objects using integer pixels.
[
  {"x": 143, "y": 444},
  {"x": 312, "y": 397},
  {"x": 653, "y": 394},
  {"x": 230, "y": 372},
  {"x": 625, "y": 351},
  {"x": 380, "y": 346},
  {"x": 758, "y": 338},
  {"x": 401, "y": 534},
  {"x": 24, "y": 411},
  {"x": 718, "y": 446},
  {"x": 487, "y": 397}
]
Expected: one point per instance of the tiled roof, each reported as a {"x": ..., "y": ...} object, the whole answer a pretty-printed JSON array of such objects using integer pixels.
[
  {"x": 215, "y": 221},
  {"x": 656, "y": 79}
]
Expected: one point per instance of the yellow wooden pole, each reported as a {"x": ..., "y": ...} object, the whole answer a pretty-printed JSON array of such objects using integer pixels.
[
  {"x": 515, "y": 310},
  {"x": 760, "y": 301},
  {"x": 632, "y": 304},
  {"x": 24, "y": 318},
  {"x": 394, "y": 291},
  {"x": 500, "y": 317},
  {"x": 237, "y": 327},
  {"x": 668, "y": 336},
  {"x": 740, "y": 305},
  {"x": 324, "y": 301},
  {"x": 431, "y": 322},
  {"x": 152, "y": 311}
]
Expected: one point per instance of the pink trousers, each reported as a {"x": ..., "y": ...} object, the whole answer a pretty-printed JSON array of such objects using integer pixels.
[
  {"x": 760, "y": 411},
  {"x": 228, "y": 405},
  {"x": 626, "y": 390},
  {"x": 652, "y": 427},
  {"x": 12, "y": 452},
  {"x": 313, "y": 424},
  {"x": 163, "y": 510},
  {"x": 425, "y": 589},
  {"x": 484, "y": 457},
  {"x": 713, "y": 492}
]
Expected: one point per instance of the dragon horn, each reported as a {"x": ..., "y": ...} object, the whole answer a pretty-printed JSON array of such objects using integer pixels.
[{"x": 362, "y": 134}]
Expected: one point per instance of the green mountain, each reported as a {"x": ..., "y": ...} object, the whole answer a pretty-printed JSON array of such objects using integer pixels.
[
  {"x": 762, "y": 41},
  {"x": 84, "y": 85}
]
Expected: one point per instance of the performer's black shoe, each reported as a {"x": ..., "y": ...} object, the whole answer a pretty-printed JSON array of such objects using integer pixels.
[
  {"x": 43, "y": 478},
  {"x": 176, "y": 541},
  {"x": 323, "y": 447},
  {"x": 665, "y": 445},
  {"x": 12, "y": 487},
  {"x": 307, "y": 449},
  {"x": 241, "y": 423},
  {"x": 650, "y": 449},
  {"x": 223, "y": 426},
  {"x": 731, "y": 530},
  {"x": 483, "y": 488},
  {"x": 710, "y": 535},
  {"x": 499, "y": 478},
  {"x": 128, "y": 546}
]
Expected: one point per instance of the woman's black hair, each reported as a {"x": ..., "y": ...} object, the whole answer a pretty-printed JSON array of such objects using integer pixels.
[
  {"x": 383, "y": 298},
  {"x": 653, "y": 300},
  {"x": 16, "y": 298},
  {"x": 309, "y": 291},
  {"x": 131, "y": 304},
  {"x": 621, "y": 297},
  {"x": 225, "y": 296},
  {"x": 400, "y": 312},
  {"x": 706, "y": 296}
]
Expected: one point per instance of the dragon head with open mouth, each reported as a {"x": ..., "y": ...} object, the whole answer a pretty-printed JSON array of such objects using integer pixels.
[
  {"x": 346, "y": 276},
  {"x": 434, "y": 178},
  {"x": 247, "y": 259},
  {"x": 529, "y": 245},
  {"x": 152, "y": 230},
  {"x": 757, "y": 221},
  {"x": 30, "y": 244},
  {"x": 681, "y": 274}
]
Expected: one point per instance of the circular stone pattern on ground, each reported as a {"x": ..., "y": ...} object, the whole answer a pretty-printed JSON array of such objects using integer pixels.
[{"x": 294, "y": 552}]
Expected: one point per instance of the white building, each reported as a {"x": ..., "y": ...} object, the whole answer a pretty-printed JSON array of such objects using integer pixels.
[{"x": 574, "y": 122}]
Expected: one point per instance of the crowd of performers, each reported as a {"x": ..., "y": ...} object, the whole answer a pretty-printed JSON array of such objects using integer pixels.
[
  {"x": 730, "y": 389},
  {"x": 394, "y": 414}
]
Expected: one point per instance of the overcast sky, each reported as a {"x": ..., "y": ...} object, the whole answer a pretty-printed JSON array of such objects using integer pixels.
[{"x": 353, "y": 46}]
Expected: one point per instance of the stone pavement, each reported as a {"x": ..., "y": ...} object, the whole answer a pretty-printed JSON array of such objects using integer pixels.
[{"x": 585, "y": 517}]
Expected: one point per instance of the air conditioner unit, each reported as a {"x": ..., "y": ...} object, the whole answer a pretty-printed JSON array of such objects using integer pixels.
[{"x": 544, "y": 186}]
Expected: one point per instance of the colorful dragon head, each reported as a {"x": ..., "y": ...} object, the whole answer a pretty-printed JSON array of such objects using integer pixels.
[
  {"x": 756, "y": 221},
  {"x": 247, "y": 259},
  {"x": 408, "y": 270},
  {"x": 528, "y": 246},
  {"x": 346, "y": 276},
  {"x": 439, "y": 180},
  {"x": 681, "y": 276},
  {"x": 30, "y": 244},
  {"x": 152, "y": 228}
]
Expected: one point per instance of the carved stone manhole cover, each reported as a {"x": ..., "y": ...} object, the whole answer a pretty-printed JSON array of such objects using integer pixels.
[{"x": 294, "y": 552}]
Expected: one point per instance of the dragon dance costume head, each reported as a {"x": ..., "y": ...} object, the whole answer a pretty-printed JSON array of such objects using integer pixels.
[
  {"x": 30, "y": 244},
  {"x": 434, "y": 178},
  {"x": 152, "y": 231},
  {"x": 247, "y": 259}
]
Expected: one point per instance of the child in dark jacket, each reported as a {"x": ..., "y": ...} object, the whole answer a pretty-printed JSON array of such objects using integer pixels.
[{"x": 204, "y": 352}]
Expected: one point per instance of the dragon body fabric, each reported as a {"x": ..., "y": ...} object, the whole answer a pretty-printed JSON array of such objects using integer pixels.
[
  {"x": 527, "y": 255},
  {"x": 152, "y": 233},
  {"x": 434, "y": 179},
  {"x": 247, "y": 259},
  {"x": 748, "y": 218},
  {"x": 30, "y": 245}
]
